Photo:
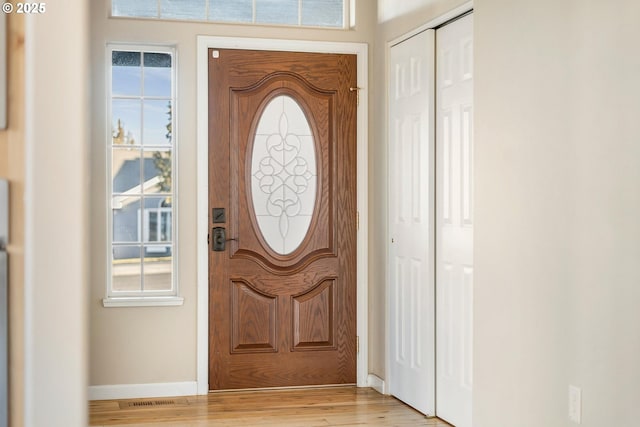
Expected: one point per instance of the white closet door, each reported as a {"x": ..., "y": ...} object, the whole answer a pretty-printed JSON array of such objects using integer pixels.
[
  {"x": 411, "y": 222},
  {"x": 454, "y": 219}
]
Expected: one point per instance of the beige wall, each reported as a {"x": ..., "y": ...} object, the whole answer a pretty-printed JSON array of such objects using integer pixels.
[
  {"x": 12, "y": 151},
  {"x": 557, "y": 100},
  {"x": 158, "y": 345},
  {"x": 395, "y": 20}
]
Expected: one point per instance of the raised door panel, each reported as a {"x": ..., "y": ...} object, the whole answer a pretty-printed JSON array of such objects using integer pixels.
[
  {"x": 314, "y": 320},
  {"x": 253, "y": 319}
]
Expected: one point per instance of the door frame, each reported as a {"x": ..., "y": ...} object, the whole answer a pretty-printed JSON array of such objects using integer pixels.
[
  {"x": 432, "y": 24},
  {"x": 204, "y": 43}
]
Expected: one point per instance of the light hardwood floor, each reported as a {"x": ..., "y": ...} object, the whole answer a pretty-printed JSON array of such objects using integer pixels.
[{"x": 339, "y": 406}]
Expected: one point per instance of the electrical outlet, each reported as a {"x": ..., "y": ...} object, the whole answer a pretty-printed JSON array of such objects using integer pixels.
[{"x": 575, "y": 404}]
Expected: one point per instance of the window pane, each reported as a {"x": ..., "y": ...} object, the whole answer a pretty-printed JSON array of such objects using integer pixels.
[
  {"x": 322, "y": 13},
  {"x": 231, "y": 11},
  {"x": 125, "y": 58},
  {"x": 126, "y": 219},
  {"x": 125, "y": 121},
  {"x": 125, "y": 170},
  {"x": 157, "y": 268},
  {"x": 125, "y": 73},
  {"x": 141, "y": 8},
  {"x": 183, "y": 9},
  {"x": 157, "y": 220},
  {"x": 126, "y": 268},
  {"x": 141, "y": 163},
  {"x": 157, "y": 74},
  {"x": 157, "y": 122},
  {"x": 157, "y": 171},
  {"x": 277, "y": 11}
]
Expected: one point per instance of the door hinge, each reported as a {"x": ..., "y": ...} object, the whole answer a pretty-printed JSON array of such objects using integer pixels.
[
  {"x": 357, "y": 344},
  {"x": 357, "y": 220}
]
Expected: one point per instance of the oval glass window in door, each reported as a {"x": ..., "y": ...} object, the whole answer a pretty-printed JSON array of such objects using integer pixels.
[{"x": 283, "y": 174}]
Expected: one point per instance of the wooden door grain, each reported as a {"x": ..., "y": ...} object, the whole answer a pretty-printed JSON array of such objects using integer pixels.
[{"x": 283, "y": 290}]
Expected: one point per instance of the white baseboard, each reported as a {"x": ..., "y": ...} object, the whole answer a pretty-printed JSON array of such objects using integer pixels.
[
  {"x": 377, "y": 383},
  {"x": 133, "y": 391}
]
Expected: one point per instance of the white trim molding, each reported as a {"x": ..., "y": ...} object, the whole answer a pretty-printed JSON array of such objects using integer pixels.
[
  {"x": 359, "y": 49},
  {"x": 142, "y": 301},
  {"x": 134, "y": 391},
  {"x": 377, "y": 383}
]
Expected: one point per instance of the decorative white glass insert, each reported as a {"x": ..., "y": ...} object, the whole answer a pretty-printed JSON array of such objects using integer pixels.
[{"x": 284, "y": 174}]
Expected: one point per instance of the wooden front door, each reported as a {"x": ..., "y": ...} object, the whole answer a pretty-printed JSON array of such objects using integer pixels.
[{"x": 282, "y": 206}]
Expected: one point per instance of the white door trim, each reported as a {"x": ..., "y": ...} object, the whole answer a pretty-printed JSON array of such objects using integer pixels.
[
  {"x": 359, "y": 49},
  {"x": 460, "y": 10}
]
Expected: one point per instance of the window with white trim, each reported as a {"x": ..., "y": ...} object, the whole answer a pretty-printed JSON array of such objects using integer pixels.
[
  {"x": 141, "y": 176},
  {"x": 303, "y": 13}
]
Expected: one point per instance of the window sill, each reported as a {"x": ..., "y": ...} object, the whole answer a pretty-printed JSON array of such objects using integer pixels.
[{"x": 142, "y": 301}]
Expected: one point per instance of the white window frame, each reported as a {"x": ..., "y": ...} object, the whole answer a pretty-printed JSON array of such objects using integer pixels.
[
  {"x": 142, "y": 298},
  {"x": 348, "y": 17}
]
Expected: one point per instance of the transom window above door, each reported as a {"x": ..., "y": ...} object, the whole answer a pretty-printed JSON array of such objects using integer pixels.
[{"x": 303, "y": 13}]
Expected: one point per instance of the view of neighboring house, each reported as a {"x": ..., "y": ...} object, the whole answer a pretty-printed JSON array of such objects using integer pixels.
[{"x": 135, "y": 218}]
